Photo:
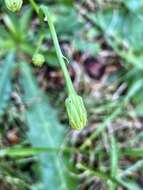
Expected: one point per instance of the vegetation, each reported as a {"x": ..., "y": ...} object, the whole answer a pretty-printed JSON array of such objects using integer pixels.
[{"x": 71, "y": 95}]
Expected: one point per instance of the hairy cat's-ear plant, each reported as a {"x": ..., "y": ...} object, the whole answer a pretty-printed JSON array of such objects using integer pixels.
[
  {"x": 13, "y": 5},
  {"x": 74, "y": 104}
]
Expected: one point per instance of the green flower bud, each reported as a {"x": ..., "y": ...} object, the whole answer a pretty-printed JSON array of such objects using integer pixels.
[
  {"x": 76, "y": 111},
  {"x": 13, "y": 5},
  {"x": 38, "y": 59}
]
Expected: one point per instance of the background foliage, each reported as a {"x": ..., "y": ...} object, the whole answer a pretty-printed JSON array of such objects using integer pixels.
[{"x": 39, "y": 151}]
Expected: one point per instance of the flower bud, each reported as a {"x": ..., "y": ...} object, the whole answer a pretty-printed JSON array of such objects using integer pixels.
[
  {"x": 76, "y": 111},
  {"x": 13, "y": 5},
  {"x": 38, "y": 59}
]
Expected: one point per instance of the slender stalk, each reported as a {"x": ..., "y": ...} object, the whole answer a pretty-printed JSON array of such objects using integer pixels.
[
  {"x": 60, "y": 56},
  {"x": 36, "y": 9},
  {"x": 35, "y": 6},
  {"x": 74, "y": 104},
  {"x": 39, "y": 43}
]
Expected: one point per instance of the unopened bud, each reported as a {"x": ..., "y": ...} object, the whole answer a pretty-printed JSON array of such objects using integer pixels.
[
  {"x": 76, "y": 112},
  {"x": 38, "y": 59},
  {"x": 13, "y": 5}
]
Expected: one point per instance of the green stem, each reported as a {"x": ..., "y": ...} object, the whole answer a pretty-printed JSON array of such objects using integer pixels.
[
  {"x": 60, "y": 56},
  {"x": 39, "y": 43},
  {"x": 37, "y": 10},
  {"x": 35, "y": 6}
]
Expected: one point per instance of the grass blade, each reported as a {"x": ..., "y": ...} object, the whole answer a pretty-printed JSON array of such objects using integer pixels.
[{"x": 113, "y": 160}]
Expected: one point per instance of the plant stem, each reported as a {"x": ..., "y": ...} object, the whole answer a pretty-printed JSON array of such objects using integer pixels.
[
  {"x": 60, "y": 56},
  {"x": 36, "y": 9},
  {"x": 35, "y": 6},
  {"x": 39, "y": 43}
]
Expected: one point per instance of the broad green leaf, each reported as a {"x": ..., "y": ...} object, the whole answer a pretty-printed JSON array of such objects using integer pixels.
[
  {"x": 6, "y": 68},
  {"x": 25, "y": 20},
  {"x": 86, "y": 46},
  {"x": 9, "y": 22},
  {"x": 121, "y": 23},
  {"x": 133, "y": 5},
  {"x": 67, "y": 17},
  {"x": 44, "y": 130}
]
